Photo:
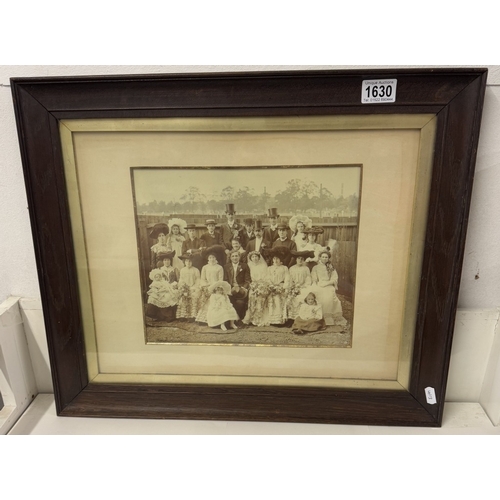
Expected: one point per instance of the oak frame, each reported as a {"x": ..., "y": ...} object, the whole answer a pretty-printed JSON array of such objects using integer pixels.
[{"x": 455, "y": 96}]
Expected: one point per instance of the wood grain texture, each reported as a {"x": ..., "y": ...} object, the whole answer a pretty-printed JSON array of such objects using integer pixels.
[{"x": 455, "y": 95}]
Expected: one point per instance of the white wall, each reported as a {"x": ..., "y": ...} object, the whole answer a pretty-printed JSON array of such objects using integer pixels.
[{"x": 481, "y": 273}]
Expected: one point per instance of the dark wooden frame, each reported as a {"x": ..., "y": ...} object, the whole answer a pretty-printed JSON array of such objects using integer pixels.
[{"x": 454, "y": 95}]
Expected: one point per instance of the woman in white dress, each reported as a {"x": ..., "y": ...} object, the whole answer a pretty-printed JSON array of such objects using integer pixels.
[
  {"x": 189, "y": 289},
  {"x": 211, "y": 273},
  {"x": 300, "y": 279},
  {"x": 279, "y": 280},
  {"x": 259, "y": 290},
  {"x": 313, "y": 245},
  {"x": 176, "y": 239},
  {"x": 325, "y": 283},
  {"x": 298, "y": 224}
]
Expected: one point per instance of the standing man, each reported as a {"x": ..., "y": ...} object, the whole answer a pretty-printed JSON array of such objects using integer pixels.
[
  {"x": 237, "y": 274},
  {"x": 192, "y": 246},
  {"x": 211, "y": 237},
  {"x": 259, "y": 243},
  {"x": 284, "y": 241},
  {"x": 247, "y": 233},
  {"x": 271, "y": 232},
  {"x": 230, "y": 228}
]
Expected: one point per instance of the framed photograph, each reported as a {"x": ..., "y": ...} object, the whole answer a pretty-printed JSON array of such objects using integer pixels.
[{"x": 282, "y": 246}]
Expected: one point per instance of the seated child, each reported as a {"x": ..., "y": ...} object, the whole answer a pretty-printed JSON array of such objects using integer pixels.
[
  {"x": 310, "y": 317},
  {"x": 220, "y": 308}
]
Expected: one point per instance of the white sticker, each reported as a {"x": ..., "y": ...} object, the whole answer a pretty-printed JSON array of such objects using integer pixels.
[
  {"x": 378, "y": 91},
  {"x": 430, "y": 395}
]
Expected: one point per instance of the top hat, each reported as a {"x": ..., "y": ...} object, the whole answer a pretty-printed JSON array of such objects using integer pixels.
[
  {"x": 273, "y": 212},
  {"x": 230, "y": 208},
  {"x": 248, "y": 222},
  {"x": 161, "y": 227},
  {"x": 258, "y": 224}
]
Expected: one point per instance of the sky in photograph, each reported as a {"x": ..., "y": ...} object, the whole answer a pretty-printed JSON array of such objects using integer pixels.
[{"x": 170, "y": 184}]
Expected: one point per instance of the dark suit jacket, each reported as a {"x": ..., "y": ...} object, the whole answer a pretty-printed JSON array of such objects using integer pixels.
[
  {"x": 244, "y": 238},
  {"x": 227, "y": 233},
  {"x": 264, "y": 245},
  {"x": 208, "y": 240},
  {"x": 188, "y": 244},
  {"x": 270, "y": 235},
  {"x": 242, "y": 278}
]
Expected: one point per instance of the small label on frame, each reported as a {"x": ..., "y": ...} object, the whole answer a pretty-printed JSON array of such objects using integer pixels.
[
  {"x": 430, "y": 395},
  {"x": 378, "y": 91}
]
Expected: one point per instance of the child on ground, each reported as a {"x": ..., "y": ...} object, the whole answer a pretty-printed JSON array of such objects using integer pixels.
[
  {"x": 310, "y": 317},
  {"x": 220, "y": 308}
]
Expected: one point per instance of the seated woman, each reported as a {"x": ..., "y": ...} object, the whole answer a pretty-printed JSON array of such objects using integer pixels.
[
  {"x": 172, "y": 273},
  {"x": 300, "y": 278},
  {"x": 211, "y": 273},
  {"x": 259, "y": 290},
  {"x": 189, "y": 289},
  {"x": 325, "y": 283},
  {"x": 313, "y": 245},
  {"x": 162, "y": 298},
  {"x": 310, "y": 316},
  {"x": 279, "y": 280}
]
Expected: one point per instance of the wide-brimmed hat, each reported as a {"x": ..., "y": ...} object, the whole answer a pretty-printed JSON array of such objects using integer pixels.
[
  {"x": 191, "y": 226},
  {"x": 165, "y": 255},
  {"x": 158, "y": 228},
  {"x": 282, "y": 225},
  {"x": 180, "y": 223},
  {"x": 230, "y": 208},
  {"x": 218, "y": 250},
  {"x": 220, "y": 284},
  {"x": 209, "y": 221},
  {"x": 279, "y": 251},
  {"x": 272, "y": 212},
  {"x": 300, "y": 218},
  {"x": 303, "y": 253}
]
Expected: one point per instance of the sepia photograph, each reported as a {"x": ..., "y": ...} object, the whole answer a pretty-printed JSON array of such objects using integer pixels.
[{"x": 262, "y": 256}]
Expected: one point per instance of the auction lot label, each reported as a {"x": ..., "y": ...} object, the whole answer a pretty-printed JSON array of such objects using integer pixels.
[{"x": 378, "y": 91}]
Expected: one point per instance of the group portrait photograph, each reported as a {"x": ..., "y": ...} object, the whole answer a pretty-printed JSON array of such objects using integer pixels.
[{"x": 248, "y": 256}]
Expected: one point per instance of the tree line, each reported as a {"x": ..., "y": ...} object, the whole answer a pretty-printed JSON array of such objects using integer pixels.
[{"x": 297, "y": 196}]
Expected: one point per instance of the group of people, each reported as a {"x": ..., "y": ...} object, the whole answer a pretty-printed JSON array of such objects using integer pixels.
[{"x": 278, "y": 275}]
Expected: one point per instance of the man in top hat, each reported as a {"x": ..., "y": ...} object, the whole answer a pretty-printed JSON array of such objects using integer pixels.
[
  {"x": 285, "y": 241},
  {"x": 230, "y": 228},
  {"x": 237, "y": 274},
  {"x": 247, "y": 233},
  {"x": 211, "y": 237},
  {"x": 259, "y": 243},
  {"x": 271, "y": 232}
]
